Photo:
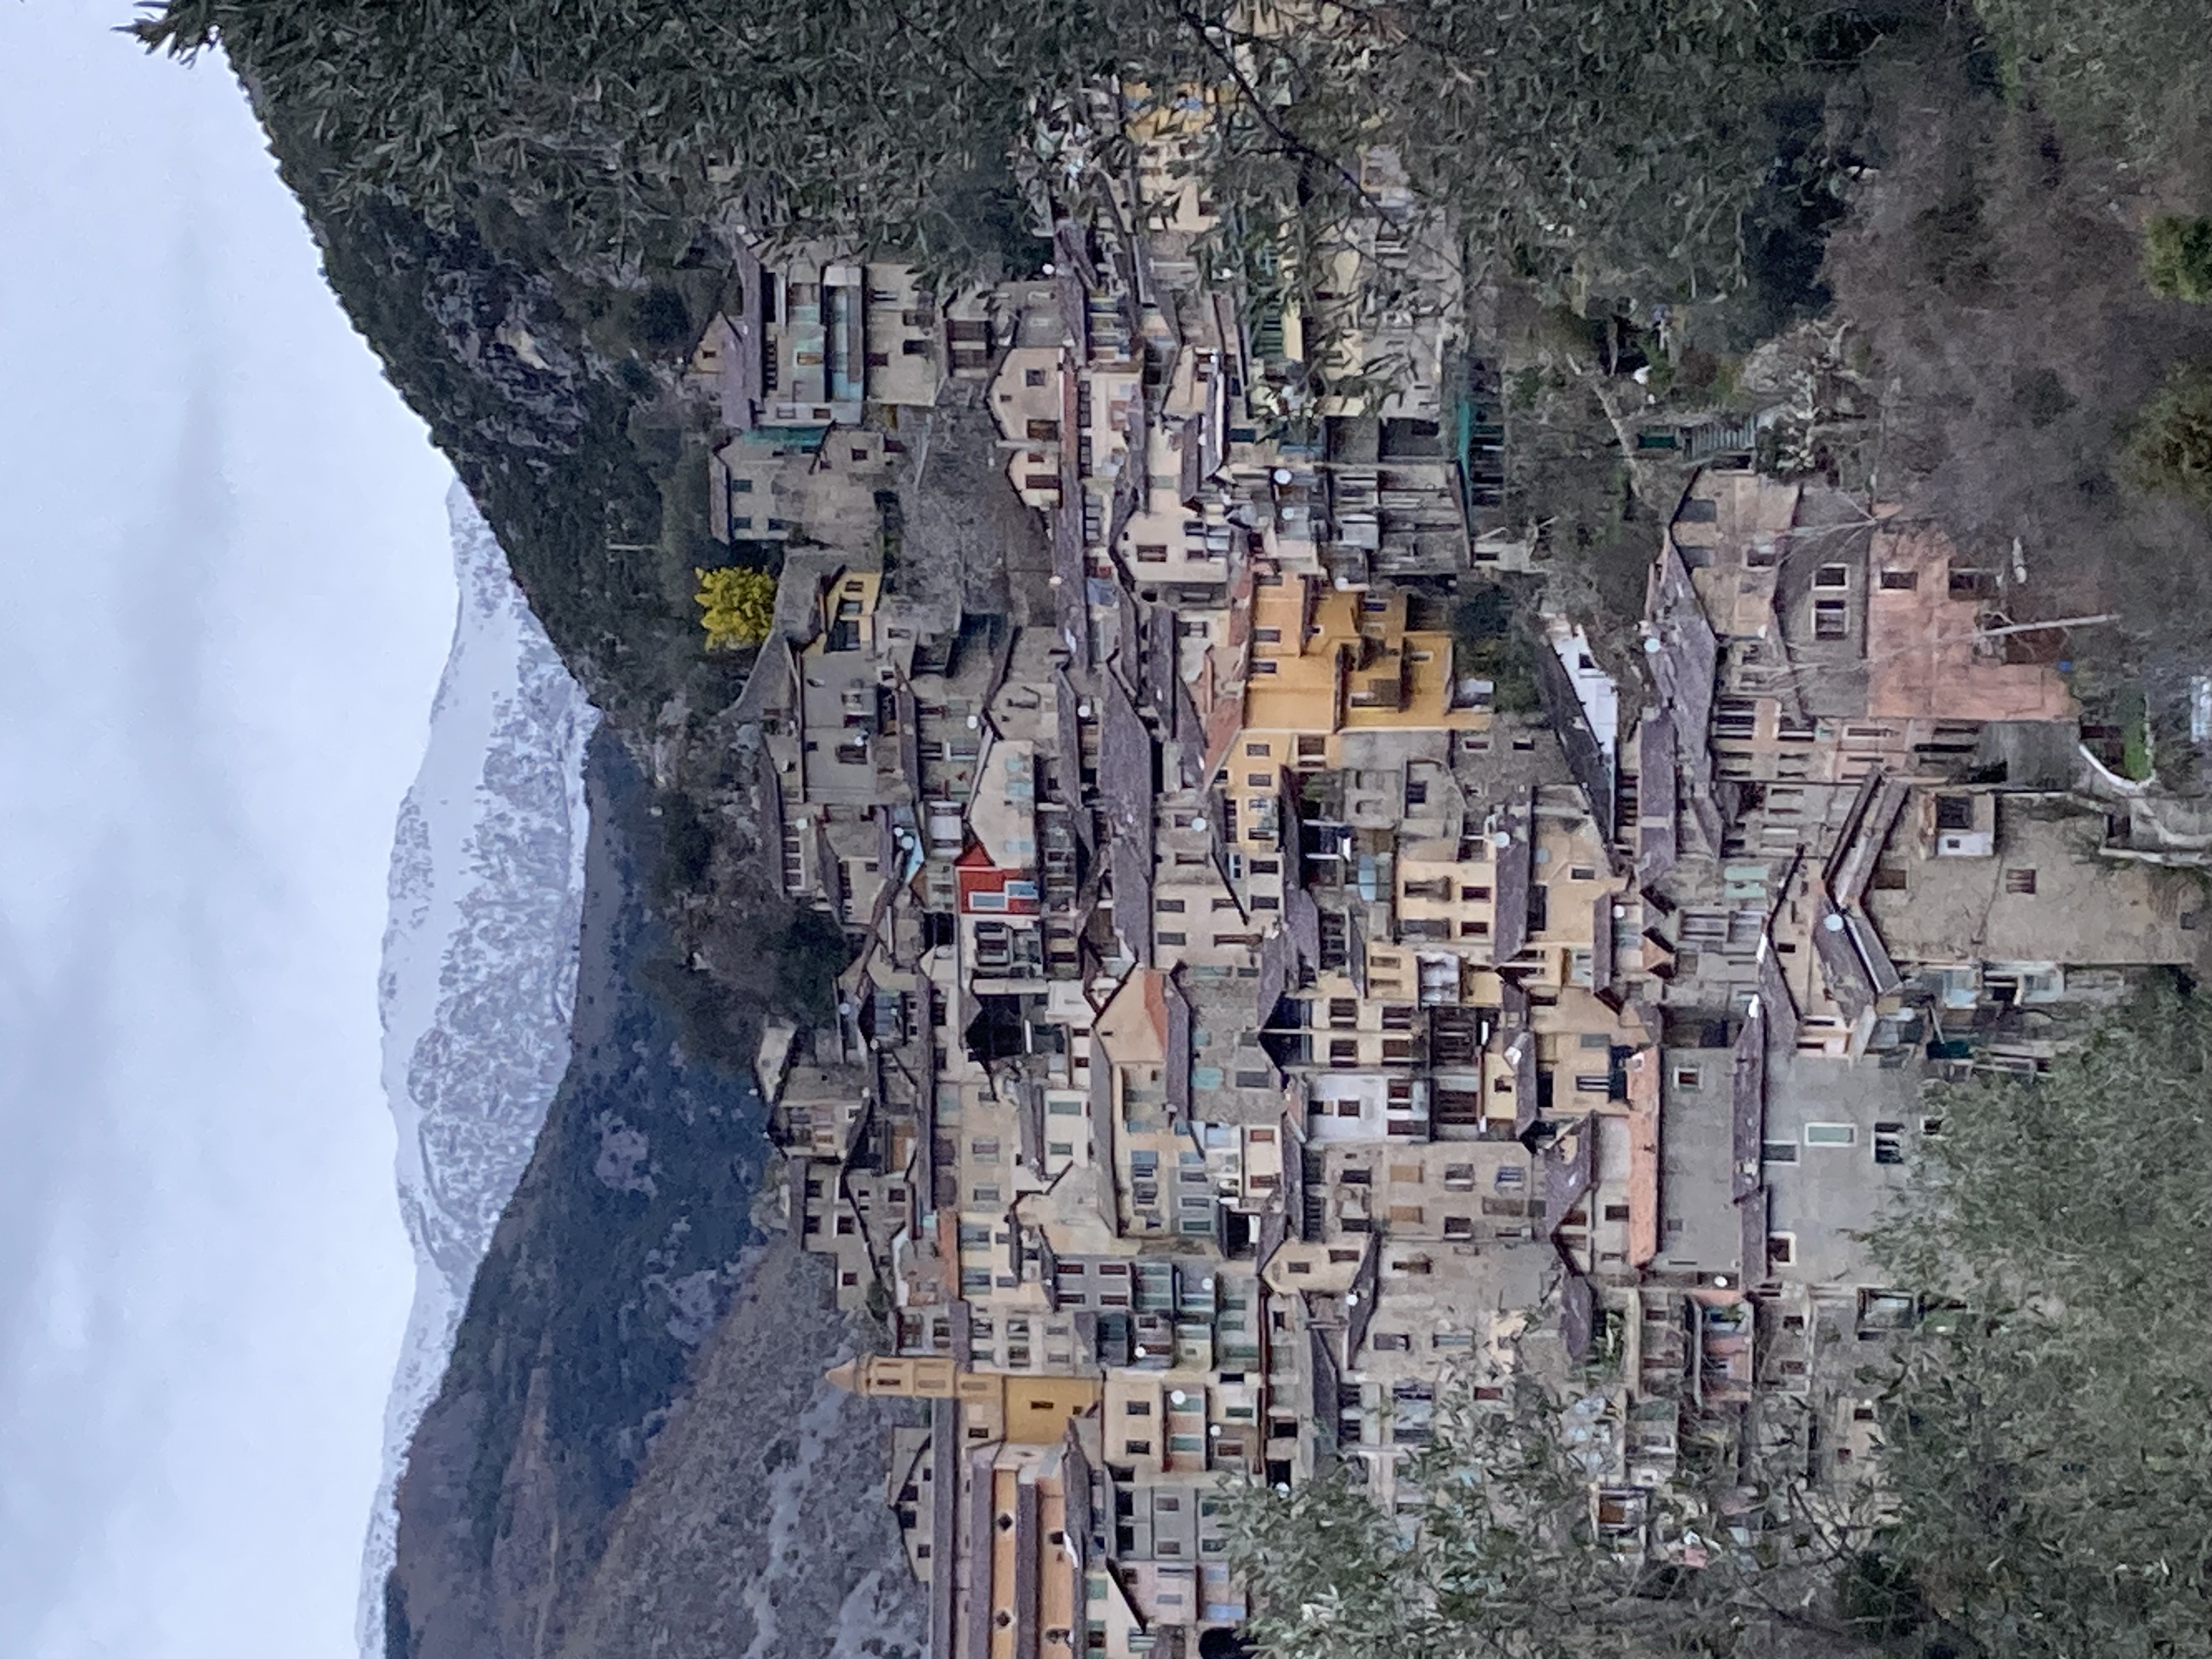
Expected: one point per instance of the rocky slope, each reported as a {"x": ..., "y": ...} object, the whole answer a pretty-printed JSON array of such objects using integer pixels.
[
  {"x": 632, "y": 1449},
  {"x": 479, "y": 974}
]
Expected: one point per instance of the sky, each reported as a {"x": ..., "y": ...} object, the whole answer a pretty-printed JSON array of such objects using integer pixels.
[{"x": 227, "y": 595}]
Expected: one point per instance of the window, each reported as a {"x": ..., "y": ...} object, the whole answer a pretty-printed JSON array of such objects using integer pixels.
[
  {"x": 1778, "y": 1151},
  {"x": 1899, "y": 581},
  {"x": 1169, "y": 907},
  {"x": 1889, "y": 1143},
  {"x": 1152, "y": 553},
  {"x": 985, "y": 1195},
  {"x": 1138, "y": 1408},
  {"x": 1458, "y": 1227},
  {"x": 1833, "y": 575},
  {"x": 1830, "y": 620},
  {"x": 1616, "y": 1212},
  {"x": 1171, "y": 938},
  {"x": 1831, "y": 1134},
  {"x": 1032, "y": 377},
  {"x": 1955, "y": 812},
  {"x": 1687, "y": 1077},
  {"x": 1781, "y": 1249},
  {"x": 1259, "y": 750},
  {"x": 1391, "y": 1342},
  {"x": 1137, "y": 1448},
  {"x": 983, "y": 1148},
  {"x": 2020, "y": 880}
]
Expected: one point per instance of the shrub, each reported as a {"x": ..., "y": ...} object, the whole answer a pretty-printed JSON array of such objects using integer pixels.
[
  {"x": 2171, "y": 450},
  {"x": 2178, "y": 257},
  {"x": 739, "y": 605}
]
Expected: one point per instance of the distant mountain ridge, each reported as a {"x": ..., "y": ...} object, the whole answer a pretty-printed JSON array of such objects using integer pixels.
[{"x": 478, "y": 983}]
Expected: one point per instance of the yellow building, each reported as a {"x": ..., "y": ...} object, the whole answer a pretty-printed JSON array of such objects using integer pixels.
[{"x": 1025, "y": 1411}]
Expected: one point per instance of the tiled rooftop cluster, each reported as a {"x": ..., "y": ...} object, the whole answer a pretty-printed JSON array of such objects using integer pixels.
[{"x": 1251, "y": 1029}]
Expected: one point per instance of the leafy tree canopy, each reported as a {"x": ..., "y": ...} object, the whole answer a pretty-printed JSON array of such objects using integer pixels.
[
  {"x": 1608, "y": 137},
  {"x": 2048, "y": 1442},
  {"x": 2178, "y": 257},
  {"x": 2128, "y": 73},
  {"x": 1498, "y": 1552},
  {"x": 2171, "y": 449}
]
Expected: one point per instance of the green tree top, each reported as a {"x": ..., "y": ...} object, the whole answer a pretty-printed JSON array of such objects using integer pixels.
[
  {"x": 2171, "y": 448},
  {"x": 2178, "y": 257}
]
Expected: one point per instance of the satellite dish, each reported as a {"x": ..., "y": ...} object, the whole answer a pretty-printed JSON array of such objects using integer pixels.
[
  {"x": 1832, "y": 921},
  {"x": 1650, "y": 645},
  {"x": 1501, "y": 840},
  {"x": 1177, "y": 1396},
  {"x": 1282, "y": 475}
]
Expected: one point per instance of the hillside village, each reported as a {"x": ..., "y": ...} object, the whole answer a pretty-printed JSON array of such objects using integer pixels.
[{"x": 1254, "y": 1026}]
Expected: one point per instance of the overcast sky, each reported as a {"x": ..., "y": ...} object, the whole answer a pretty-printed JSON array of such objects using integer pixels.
[{"x": 228, "y": 596}]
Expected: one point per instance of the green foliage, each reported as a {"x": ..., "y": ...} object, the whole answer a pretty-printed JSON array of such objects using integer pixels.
[
  {"x": 1506, "y": 1559},
  {"x": 1877, "y": 1596},
  {"x": 2049, "y": 1444},
  {"x": 2136, "y": 760},
  {"x": 1573, "y": 140},
  {"x": 739, "y": 607},
  {"x": 618, "y": 129},
  {"x": 2125, "y": 73},
  {"x": 812, "y": 951},
  {"x": 1487, "y": 645},
  {"x": 2171, "y": 448},
  {"x": 686, "y": 852},
  {"x": 2178, "y": 257}
]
